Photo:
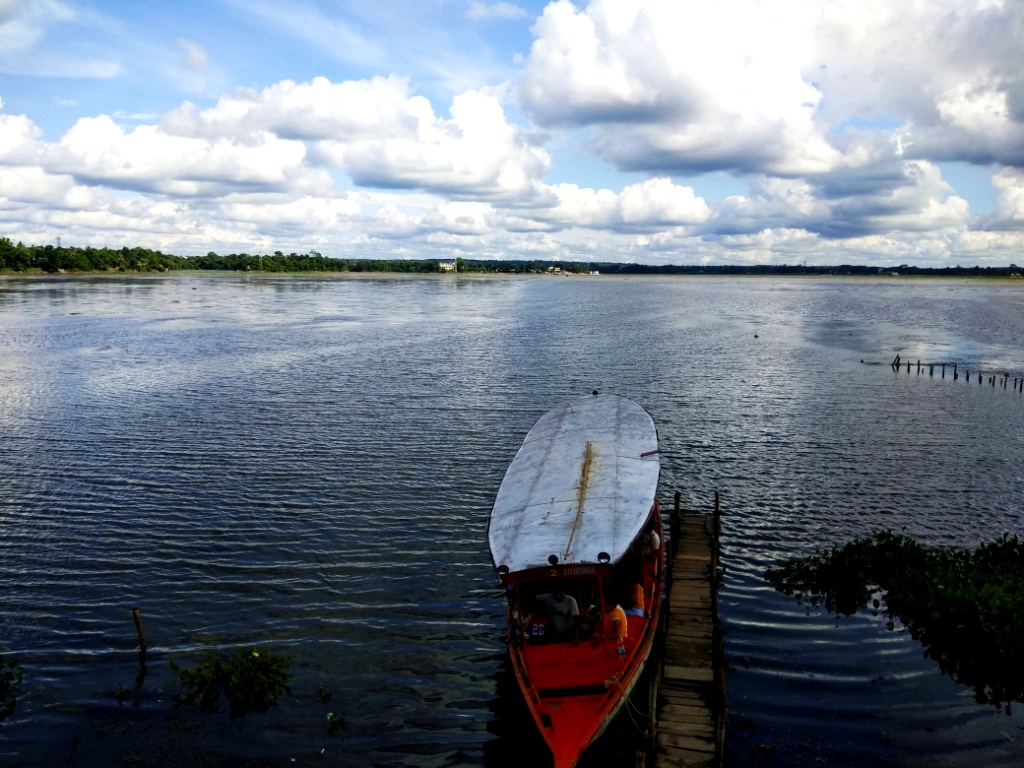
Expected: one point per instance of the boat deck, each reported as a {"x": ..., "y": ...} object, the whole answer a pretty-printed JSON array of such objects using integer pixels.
[{"x": 690, "y": 726}]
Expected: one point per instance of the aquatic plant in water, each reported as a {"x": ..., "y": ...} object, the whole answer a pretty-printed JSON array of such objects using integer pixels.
[
  {"x": 965, "y": 607},
  {"x": 252, "y": 681},
  {"x": 10, "y": 676}
]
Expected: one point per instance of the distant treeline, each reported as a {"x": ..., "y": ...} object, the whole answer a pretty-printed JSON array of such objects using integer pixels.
[{"x": 57, "y": 259}]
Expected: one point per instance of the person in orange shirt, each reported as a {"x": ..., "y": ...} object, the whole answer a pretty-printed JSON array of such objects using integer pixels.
[
  {"x": 615, "y": 623},
  {"x": 612, "y": 623},
  {"x": 635, "y": 601}
]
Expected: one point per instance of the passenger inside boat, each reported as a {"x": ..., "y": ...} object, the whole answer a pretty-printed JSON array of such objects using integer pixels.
[
  {"x": 563, "y": 613},
  {"x": 590, "y": 611},
  {"x": 551, "y": 612},
  {"x": 574, "y": 609},
  {"x": 635, "y": 601},
  {"x": 615, "y": 624}
]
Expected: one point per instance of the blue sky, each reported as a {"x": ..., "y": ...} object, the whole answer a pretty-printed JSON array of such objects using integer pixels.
[{"x": 654, "y": 131}]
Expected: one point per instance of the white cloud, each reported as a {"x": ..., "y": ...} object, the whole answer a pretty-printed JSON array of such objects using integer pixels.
[
  {"x": 305, "y": 213},
  {"x": 19, "y": 140},
  {"x": 136, "y": 116},
  {"x": 192, "y": 55},
  {"x": 477, "y": 151},
  {"x": 459, "y": 218},
  {"x": 481, "y": 11},
  {"x": 23, "y": 23},
  {"x": 382, "y": 136},
  {"x": 646, "y": 207},
  {"x": 380, "y": 107},
  {"x": 98, "y": 151},
  {"x": 392, "y": 222},
  {"x": 28, "y": 48},
  {"x": 772, "y": 203},
  {"x": 910, "y": 197},
  {"x": 830, "y": 122},
  {"x": 24, "y": 186},
  {"x": 679, "y": 87},
  {"x": 757, "y": 87},
  {"x": 1009, "y": 210}
]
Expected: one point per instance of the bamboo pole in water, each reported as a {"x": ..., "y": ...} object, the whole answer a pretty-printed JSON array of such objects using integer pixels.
[{"x": 138, "y": 629}]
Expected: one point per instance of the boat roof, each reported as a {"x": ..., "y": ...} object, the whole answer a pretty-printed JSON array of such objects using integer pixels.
[{"x": 581, "y": 486}]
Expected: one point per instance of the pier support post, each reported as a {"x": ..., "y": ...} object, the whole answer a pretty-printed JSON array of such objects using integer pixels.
[{"x": 677, "y": 511}]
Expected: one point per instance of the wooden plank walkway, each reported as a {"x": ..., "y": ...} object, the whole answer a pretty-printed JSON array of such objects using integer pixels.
[{"x": 690, "y": 726}]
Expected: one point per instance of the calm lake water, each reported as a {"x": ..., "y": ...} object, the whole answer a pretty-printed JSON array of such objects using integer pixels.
[{"x": 308, "y": 463}]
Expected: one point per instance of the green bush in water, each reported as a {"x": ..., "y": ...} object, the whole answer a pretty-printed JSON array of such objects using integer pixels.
[
  {"x": 965, "y": 607},
  {"x": 252, "y": 681}
]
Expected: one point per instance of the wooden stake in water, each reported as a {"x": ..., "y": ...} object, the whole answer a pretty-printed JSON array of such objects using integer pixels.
[{"x": 138, "y": 629}]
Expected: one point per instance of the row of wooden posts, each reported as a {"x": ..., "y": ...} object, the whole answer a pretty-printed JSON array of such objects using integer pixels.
[{"x": 1000, "y": 379}]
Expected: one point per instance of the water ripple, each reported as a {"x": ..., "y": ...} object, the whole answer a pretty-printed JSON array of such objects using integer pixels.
[{"x": 309, "y": 463}]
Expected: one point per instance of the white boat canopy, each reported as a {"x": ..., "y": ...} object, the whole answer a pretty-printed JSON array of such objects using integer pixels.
[{"x": 581, "y": 487}]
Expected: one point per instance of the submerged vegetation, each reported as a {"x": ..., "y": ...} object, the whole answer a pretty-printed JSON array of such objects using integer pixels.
[
  {"x": 252, "y": 680},
  {"x": 50, "y": 259},
  {"x": 965, "y": 607},
  {"x": 11, "y": 674}
]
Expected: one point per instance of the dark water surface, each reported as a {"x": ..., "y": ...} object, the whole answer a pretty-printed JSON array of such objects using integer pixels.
[{"x": 308, "y": 464}]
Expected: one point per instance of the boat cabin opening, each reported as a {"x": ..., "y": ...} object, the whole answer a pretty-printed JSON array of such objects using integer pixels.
[{"x": 574, "y": 603}]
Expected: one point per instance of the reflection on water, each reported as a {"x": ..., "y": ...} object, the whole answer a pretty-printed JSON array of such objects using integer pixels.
[
  {"x": 961, "y": 605},
  {"x": 308, "y": 463}
]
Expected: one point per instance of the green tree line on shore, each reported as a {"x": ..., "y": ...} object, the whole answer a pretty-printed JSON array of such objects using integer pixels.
[{"x": 50, "y": 259}]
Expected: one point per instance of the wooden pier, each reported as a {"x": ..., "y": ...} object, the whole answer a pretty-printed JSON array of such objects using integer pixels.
[{"x": 689, "y": 693}]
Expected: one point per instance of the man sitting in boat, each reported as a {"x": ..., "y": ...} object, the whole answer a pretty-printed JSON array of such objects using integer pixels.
[
  {"x": 612, "y": 625},
  {"x": 564, "y": 613},
  {"x": 635, "y": 601}
]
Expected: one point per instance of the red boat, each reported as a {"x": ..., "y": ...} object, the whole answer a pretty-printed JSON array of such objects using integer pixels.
[{"x": 575, "y": 534}]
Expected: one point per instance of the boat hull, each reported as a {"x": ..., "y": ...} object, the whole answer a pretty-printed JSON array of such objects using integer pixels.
[
  {"x": 573, "y": 691},
  {"x": 576, "y": 538},
  {"x": 571, "y": 724}
]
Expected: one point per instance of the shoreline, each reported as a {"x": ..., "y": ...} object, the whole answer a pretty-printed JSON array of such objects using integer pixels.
[{"x": 218, "y": 273}]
